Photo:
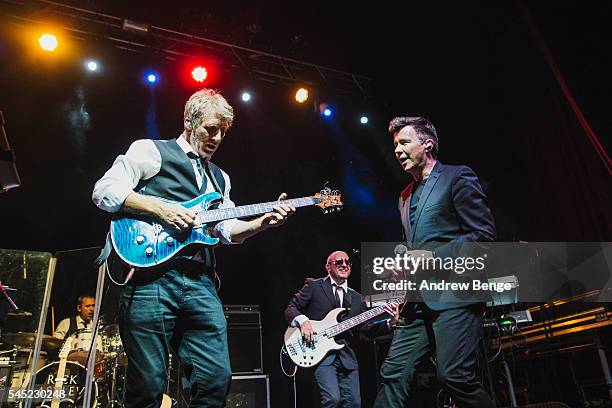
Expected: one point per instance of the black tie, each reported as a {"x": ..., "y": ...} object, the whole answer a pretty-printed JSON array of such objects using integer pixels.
[
  {"x": 337, "y": 295},
  {"x": 199, "y": 166}
]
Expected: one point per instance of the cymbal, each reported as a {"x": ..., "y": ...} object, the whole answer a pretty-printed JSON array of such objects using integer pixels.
[
  {"x": 19, "y": 314},
  {"x": 28, "y": 340}
]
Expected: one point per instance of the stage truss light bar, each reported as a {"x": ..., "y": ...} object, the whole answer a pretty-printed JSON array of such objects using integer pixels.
[
  {"x": 134, "y": 26},
  {"x": 176, "y": 46}
]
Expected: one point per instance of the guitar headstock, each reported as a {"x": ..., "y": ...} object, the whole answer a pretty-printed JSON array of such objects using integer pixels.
[
  {"x": 65, "y": 350},
  {"x": 329, "y": 200}
]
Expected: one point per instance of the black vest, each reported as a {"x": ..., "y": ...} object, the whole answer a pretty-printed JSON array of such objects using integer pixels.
[
  {"x": 72, "y": 328},
  {"x": 176, "y": 181}
]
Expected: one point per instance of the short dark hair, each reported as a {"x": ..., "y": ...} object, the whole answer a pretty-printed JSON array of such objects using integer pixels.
[
  {"x": 423, "y": 128},
  {"x": 81, "y": 298}
]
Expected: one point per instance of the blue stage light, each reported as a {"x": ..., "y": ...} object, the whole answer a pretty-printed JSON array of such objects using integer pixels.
[
  {"x": 328, "y": 112},
  {"x": 152, "y": 78}
]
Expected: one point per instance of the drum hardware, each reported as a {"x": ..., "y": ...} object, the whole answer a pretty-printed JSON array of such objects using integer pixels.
[
  {"x": 19, "y": 314},
  {"x": 111, "y": 374}
]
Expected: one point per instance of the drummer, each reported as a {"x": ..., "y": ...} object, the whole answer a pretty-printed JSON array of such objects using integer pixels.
[{"x": 80, "y": 322}]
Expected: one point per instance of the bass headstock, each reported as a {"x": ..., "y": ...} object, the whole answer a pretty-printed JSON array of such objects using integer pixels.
[
  {"x": 65, "y": 350},
  {"x": 328, "y": 200}
]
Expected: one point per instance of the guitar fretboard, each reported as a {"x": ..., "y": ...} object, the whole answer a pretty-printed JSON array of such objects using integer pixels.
[
  {"x": 354, "y": 321},
  {"x": 250, "y": 210}
]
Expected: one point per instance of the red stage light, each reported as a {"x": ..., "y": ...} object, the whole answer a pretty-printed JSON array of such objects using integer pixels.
[{"x": 199, "y": 73}]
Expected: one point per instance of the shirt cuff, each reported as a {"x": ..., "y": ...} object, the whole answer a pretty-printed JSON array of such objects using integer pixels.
[
  {"x": 389, "y": 325},
  {"x": 223, "y": 231},
  {"x": 114, "y": 198},
  {"x": 299, "y": 320}
]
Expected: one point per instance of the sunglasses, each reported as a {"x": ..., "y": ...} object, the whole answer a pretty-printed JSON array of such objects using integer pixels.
[{"x": 340, "y": 262}]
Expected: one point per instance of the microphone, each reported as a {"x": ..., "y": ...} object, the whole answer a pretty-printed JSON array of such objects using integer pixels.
[{"x": 400, "y": 249}]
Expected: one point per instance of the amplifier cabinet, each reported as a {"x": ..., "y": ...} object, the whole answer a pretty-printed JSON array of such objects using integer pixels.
[
  {"x": 249, "y": 391},
  {"x": 244, "y": 338}
]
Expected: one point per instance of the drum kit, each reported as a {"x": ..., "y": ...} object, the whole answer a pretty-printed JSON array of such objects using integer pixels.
[{"x": 109, "y": 371}]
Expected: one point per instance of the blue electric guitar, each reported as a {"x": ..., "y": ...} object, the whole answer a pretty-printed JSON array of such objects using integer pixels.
[{"x": 142, "y": 242}]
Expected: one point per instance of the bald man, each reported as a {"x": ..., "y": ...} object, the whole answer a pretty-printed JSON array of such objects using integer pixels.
[{"x": 338, "y": 373}]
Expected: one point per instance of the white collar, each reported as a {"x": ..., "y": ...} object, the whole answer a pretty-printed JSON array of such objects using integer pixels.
[
  {"x": 184, "y": 144},
  {"x": 80, "y": 320},
  {"x": 343, "y": 286}
]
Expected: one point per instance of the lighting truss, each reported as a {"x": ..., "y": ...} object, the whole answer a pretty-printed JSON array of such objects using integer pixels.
[{"x": 130, "y": 35}]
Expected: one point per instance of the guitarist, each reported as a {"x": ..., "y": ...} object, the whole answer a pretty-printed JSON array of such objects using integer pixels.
[
  {"x": 176, "y": 305},
  {"x": 337, "y": 374},
  {"x": 441, "y": 209}
]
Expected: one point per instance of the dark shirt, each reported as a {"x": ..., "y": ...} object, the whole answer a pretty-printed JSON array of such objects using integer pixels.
[{"x": 414, "y": 200}]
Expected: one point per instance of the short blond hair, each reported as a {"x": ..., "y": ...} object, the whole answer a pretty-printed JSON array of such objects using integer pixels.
[{"x": 207, "y": 101}]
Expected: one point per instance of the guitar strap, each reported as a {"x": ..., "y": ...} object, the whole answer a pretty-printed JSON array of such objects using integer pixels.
[
  {"x": 105, "y": 252},
  {"x": 103, "y": 257}
]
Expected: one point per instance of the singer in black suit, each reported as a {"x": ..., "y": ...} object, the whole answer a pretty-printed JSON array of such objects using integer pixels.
[
  {"x": 338, "y": 373},
  {"x": 441, "y": 210}
]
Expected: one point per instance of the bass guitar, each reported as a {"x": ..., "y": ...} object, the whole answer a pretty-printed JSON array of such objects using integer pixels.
[
  {"x": 305, "y": 354},
  {"x": 142, "y": 242},
  {"x": 60, "y": 379}
]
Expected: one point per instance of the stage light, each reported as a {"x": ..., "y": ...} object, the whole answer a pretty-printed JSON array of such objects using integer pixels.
[
  {"x": 363, "y": 120},
  {"x": 301, "y": 95},
  {"x": 151, "y": 78},
  {"x": 92, "y": 65},
  {"x": 48, "y": 42},
  {"x": 199, "y": 73},
  {"x": 246, "y": 96},
  {"x": 326, "y": 110}
]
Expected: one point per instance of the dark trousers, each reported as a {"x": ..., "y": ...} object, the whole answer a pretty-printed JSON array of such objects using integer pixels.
[
  {"x": 339, "y": 387},
  {"x": 453, "y": 335},
  {"x": 178, "y": 312}
]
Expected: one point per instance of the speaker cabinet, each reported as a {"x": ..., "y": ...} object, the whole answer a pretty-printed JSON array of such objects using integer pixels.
[
  {"x": 244, "y": 338},
  {"x": 249, "y": 391}
]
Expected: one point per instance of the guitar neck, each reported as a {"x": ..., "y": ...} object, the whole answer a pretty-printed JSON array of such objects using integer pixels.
[
  {"x": 59, "y": 383},
  {"x": 250, "y": 210},
  {"x": 354, "y": 321}
]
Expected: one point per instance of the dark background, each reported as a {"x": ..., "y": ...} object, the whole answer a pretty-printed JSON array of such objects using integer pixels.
[{"x": 473, "y": 69}]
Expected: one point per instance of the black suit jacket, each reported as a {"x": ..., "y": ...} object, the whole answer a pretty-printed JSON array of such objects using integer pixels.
[
  {"x": 451, "y": 212},
  {"x": 316, "y": 299}
]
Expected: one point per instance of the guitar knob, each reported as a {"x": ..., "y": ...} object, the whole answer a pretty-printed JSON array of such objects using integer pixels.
[
  {"x": 149, "y": 251},
  {"x": 140, "y": 239},
  {"x": 169, "y": 241}
]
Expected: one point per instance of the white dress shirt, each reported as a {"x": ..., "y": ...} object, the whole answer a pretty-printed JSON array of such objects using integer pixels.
[
  {"x": 143, "y": 161},
  {"x": 64, "y": 326}
]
